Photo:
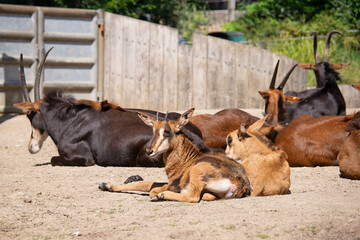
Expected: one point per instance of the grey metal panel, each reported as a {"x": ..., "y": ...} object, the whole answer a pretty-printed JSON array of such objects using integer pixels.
[
  {"x": 17, "y": 22},
  {"x": 17, "y": 35},
  {"x": 73, "y": 60},
  {"x": 72, "y": 65}
]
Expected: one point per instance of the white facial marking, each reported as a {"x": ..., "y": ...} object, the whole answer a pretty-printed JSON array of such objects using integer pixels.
[
  {"x": 36, "y": 140},
  {"x": 161, "y": 143}
]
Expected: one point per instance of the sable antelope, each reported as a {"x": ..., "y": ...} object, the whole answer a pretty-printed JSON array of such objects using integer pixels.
[
  {"x": 192, "y": 175},
  {"x": 215, "y": 127},
  {"x": 326, "y": 98},
  {"x": 88, "y": 133},
  {"x": 265, "y": 164},
  {"x": 349, "y": 155}
]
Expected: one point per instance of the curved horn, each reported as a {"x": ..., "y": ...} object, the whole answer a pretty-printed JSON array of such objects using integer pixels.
[
  {"x": 38, "y": 75},
  {"x": 327, "y": 43},
  {"x": 316, "y": 53},
  {"x": 283, "y": 82},
  {"x": 273, "y": 80},
  {"x": 23, "y": 81},
  {"x": 166, "y": 116},
  {"x": 157, "y": 116}
]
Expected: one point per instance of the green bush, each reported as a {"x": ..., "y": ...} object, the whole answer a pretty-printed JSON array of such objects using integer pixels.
[{"x": 280, "y": 28}]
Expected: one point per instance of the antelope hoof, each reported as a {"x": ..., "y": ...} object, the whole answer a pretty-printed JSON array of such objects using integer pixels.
[
  {"x": 104, "y": 187},
  {"x": 157, "y": 198},
  {"x": 134, "y": 178}
]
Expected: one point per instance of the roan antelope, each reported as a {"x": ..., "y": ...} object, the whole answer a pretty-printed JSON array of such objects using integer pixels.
[
  {"x": 192, "y": 175},
  {"x": 265, "y": 164}
]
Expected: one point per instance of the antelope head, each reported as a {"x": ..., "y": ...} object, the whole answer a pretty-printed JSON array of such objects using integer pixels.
[
  {"x": 164, "y": 131},
  {"x": 38, "y": 126}
]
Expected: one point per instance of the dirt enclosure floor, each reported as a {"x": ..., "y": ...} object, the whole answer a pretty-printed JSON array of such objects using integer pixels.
[{"x": 38, "y": 201}]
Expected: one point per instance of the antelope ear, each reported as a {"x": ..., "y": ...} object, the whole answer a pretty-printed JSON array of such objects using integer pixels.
[
  {"x": 307, "y": 66},
  {"x": 264, "y": 95},
  {"x": 292, "y": 99},
  {"x": 357, "y": 87},
  {"x": 244, "y": 127},
  {"x": 184, "y": 119},
  {"x": 339, "y": 65},
  {"x": 146, "y": 119},
  {"x": 257, "y": 125},
  {"x": 28, "y": 106}
]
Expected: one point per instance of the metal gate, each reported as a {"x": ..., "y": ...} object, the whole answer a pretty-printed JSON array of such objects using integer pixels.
[{"x": 73, "y": 65}]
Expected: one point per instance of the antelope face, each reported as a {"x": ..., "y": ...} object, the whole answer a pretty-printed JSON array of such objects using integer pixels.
[
  {"x": 162, "y": 135},
  {"x": 38, "y": 132},
  {"x": 163, "y": 131},
  {"x": 235, "y": 145}
]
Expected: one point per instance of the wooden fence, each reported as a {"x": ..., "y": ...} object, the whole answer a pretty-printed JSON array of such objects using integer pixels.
[{"x": 145, "y": 67}]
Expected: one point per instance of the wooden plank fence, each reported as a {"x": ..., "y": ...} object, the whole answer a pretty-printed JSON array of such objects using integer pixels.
[{"x": 145, "y": 67}]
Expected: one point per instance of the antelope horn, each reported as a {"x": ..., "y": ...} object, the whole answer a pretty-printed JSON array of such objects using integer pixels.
[
  {"x": 166, "y": 116},
  {"x": 327, "y": 43},
  {"x": 23, "y": 81},
  {"x": 282, "y": 84},
  {"x": 316, "y": 53},
  {"x": 273, "y": 80},
  {"x": 157, "y": 116},
  {"x": 38, "y": 75}
]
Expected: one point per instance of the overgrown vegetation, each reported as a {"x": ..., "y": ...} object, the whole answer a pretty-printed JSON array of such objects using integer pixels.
[{"x": 284, "y": 26}]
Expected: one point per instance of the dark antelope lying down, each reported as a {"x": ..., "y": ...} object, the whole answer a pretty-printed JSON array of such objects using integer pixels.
[
  {"x": 88, "y": 133},
  {"x": 192, "y": 175}
]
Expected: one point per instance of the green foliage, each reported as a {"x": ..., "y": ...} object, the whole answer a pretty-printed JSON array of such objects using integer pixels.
[
  {"x": 190, "y": 19},
  {"x": 340, "y": 52},
  {"x": 285, "y": 28}
]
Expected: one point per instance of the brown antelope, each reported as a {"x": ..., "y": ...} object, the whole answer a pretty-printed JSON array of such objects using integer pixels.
[
  {"x": 275, "y": 102},
  {"x": 265, "y": 164},
  {"x": 192, "y": 175},
  {"x": 311, "y": 142},
  {"x": 349, "y": 155}
]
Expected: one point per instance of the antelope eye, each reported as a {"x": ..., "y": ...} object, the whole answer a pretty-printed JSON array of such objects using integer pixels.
[
  {"x": 229, "y": 141},
  {"x": 167, "y": 131}
]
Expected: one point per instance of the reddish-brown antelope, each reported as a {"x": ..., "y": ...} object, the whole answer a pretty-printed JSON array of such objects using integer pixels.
[
  {"x": 192, "y": 175},
  {"x": 311, "y": 142},
  {"x": 265, "y": 164},
  {"x": 349, "y": 156}
]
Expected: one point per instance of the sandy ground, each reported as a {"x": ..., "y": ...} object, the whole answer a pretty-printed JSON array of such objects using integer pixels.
[{"x": 38, "y": 201}]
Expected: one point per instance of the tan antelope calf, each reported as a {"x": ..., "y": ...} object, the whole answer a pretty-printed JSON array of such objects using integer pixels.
[
  {"x": 265, "y": 164},
  {"x": 192, "y": 175}
]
